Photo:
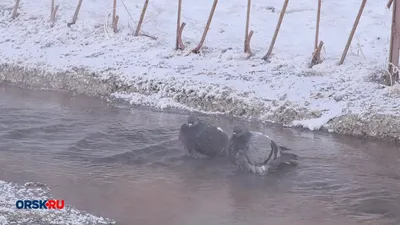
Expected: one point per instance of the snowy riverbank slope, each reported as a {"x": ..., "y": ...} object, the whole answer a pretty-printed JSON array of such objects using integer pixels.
[
  {"x": 346, "y": 99},
  {"x": 9, "y": 214}
]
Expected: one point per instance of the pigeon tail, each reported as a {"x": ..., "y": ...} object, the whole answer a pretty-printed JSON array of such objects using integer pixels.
[
  {"x": 284, "y": 159},
  {"x": 288, "y": 156},
  {"x": 283, "y": 148}
]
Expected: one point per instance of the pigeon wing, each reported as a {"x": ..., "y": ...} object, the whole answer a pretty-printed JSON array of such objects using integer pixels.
[
  {"x": 182, "y": 134},
  {"x": 211, "y": 140},
  {"x": 260, "y": 149},
  {"x": 232, "y": 148},
  {"x": 187, "y": 137}
]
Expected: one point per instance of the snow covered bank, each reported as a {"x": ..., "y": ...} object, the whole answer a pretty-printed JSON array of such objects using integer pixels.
[
  {"x": 87, "y": 58},
  {"x": 9, "y": 214}
]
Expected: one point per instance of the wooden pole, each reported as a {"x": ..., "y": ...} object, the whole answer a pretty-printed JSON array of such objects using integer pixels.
[
  {"x": 178, "y": 24},
  {"x": 389, "y": 4},
  {"x": 53, "y": 15},
  {"x": 51, "y": 10},
  {"x": 316, "y": 56},
  {"x": 353, "y": 30},
  {"x": 114, "y": 12},
  {"x": 180, "y": 42},
  {"x": 115, "y": 24},
  {"x": 75, "y": 14},
  {"x": 278, "y": 26},
  {"x": 317, "y": 28},
  {"x": 203, "y": 38},
  {"x": 248, "y": 43},
  {"x": 146, "y": 3},
  {"x": 394, "y": 39},
  {"x": 15, "y": 10},
  {"x": 247, "y": 27}
]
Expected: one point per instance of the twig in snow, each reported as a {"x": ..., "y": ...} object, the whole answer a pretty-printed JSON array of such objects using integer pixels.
[
  {"x": 247, "y": 36},
  {"x": 15, "y": 13},
  {"x": 147, "y": 35},
  {"x": 353, "y": 30},
  {"x": 146, "y": 2},
  {"x": 393, "y": 71},
  {"x": 203, "y": 38},
  {"x": 78, "y": 7},
  {"x": 359, "y": 46},
  {"x": 179, "y": 28},
  {"x": 278, "y": 26}
]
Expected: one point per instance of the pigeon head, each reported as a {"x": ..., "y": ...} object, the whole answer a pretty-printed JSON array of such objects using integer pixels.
[
  {"x": 192, "y": 121},
  {"x": 240, "y": 130}
]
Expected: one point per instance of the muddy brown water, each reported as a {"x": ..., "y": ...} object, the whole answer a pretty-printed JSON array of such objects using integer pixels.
[{"x": 125, "y": 163}]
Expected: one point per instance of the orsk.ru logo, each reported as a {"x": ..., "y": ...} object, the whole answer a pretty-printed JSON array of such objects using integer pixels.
[{"x": 40, "y": 204}]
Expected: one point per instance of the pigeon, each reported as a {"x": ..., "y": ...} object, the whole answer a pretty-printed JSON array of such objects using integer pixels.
[
  {"x": 255, "y": 152},
  {"x": 202, "y": 140}
]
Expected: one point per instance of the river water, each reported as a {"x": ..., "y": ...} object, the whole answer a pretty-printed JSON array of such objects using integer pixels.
[{"x": 125, "y": 163}]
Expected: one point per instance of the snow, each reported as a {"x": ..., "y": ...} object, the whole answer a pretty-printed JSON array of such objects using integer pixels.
[
  {"x": 9, "y": 214},
  {"x": 283, "y": 90}
]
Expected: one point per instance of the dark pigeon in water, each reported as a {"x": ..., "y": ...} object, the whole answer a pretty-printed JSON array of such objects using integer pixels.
[
  {"x": 256, "y": 152},
  {"x": 202, "y": 140}
]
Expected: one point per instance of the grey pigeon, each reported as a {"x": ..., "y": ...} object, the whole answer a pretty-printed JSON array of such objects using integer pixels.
[
  {"x": 255, "y": 152},
  {"x": 202, "y": 140}
]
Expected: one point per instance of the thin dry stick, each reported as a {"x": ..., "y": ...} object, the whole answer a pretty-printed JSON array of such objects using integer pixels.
[
  {"x": 178, "y": 24},
  {"x": 181, "y": 45},
  {"x": 15, "y": 13},
  {"x": 317, "y": 28},
  {"x": 353, "y": 30},
  {"x": 78, "y": 7},
  {"x": 278, "y": 26},
  {"x": 316, "y": 57},
  {"x": 389, "y": 4},
  {"x": 246, "y": 35},
  {"x": 203, "y": 38},
  {"x": 146, "y": 2}
]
